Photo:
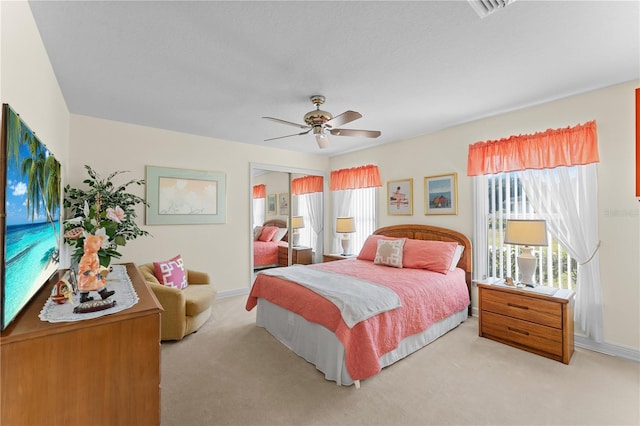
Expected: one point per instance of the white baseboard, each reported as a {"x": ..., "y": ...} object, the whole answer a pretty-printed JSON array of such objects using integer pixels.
[
  {"x": 605, "y": 348},
  {"x": 608, "y": 348}
]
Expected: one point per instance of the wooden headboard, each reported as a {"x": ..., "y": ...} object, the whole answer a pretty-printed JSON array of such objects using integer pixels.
[
  {"x": 280, "y": 224},
  {"x": 426, "y": 232}
]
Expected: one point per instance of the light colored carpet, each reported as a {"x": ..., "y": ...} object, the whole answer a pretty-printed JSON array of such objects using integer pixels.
[{"x": 233, "y": 373}]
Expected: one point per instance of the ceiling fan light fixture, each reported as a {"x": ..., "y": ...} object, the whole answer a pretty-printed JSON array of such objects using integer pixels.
[{"x": 321, "y": 138}]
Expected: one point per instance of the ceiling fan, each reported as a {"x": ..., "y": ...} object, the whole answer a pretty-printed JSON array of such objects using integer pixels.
[{"x": 320, "y": 121}]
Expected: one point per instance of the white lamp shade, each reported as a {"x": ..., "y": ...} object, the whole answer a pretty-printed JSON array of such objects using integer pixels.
[
  {"x": 297, "y": 222},
  {"x": 345, "y": 225},
  {"x": 526, "y": 232}
]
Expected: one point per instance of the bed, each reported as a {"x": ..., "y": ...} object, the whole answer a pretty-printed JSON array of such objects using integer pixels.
[
  {"x": 348, "y": 348},
  {"x": 265, "y": 253}
]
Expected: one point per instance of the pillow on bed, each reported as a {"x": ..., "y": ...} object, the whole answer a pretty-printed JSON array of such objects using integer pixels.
[
  {"x": 456, "y": 257},
  {"x": 171, "y": 273},
  {"x": 427, "y": 254},
  {"x": 256, "y": 232},
  {"x": 368, "y": 251},
  {"x": 267, "y": 233},
  {"x": 280, "y": 233},
  {"x": 389, "y": 252}
]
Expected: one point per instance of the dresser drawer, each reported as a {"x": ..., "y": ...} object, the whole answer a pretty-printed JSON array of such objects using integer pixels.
[
  {"x": 538, "y": 311},
  {"x": 535, "y": 336}
]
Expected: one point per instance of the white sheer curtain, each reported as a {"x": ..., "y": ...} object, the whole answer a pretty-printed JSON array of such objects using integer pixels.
[
  {"x": 567, "y": 198},
  {"x": 258, "y": 211},
  {"x": 315, "y": 213},
  {"x": 480, "y": 229}
]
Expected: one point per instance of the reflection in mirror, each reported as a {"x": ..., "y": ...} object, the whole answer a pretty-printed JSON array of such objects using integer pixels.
[{"x": 292, "y": 202}]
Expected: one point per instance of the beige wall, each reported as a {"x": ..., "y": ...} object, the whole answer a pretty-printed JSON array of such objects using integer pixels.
[
  {"x": 619, "y": 211},
  {"x": 222, "y": 250},
  {"x": 27, "y": 81}
]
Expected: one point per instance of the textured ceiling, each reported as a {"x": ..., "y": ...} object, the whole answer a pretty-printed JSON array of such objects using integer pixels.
[{"x": 214, "y": 68}]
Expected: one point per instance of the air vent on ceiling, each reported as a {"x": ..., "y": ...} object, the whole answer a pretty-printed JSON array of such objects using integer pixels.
[{"x": 487, "y": 7}]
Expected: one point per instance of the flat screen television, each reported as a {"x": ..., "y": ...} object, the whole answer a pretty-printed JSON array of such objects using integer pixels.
[{"x": 30, "y": 204}]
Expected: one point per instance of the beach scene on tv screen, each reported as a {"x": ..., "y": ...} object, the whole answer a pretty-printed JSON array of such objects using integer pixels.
[{"x": 32, "y": 205}]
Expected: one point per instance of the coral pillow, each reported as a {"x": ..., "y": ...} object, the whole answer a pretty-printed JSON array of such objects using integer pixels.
[
  {"x": 426, "y": 254},
  {"x": 268, "y": 232},
  {"x": 171, "y": 273},
  {"x": 389, "y": 252},
  {"x": 370, "y": 247}
]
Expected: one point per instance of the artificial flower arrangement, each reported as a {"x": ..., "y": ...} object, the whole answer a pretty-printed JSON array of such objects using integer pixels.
[{"x": 105, "y": 210}]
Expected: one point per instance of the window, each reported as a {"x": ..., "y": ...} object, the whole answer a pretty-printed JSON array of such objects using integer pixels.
[
  {"x": 354, "y": 194},
  {"x": 259, "y": 195},
  {"x": 557, "y": 170},
  {"x": 363, "y": 210},
  {"x": 506, "y": 200},
  {"x": 308, "y": 237}
]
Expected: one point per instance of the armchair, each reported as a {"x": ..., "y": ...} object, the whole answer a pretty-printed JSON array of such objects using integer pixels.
[{"x": 185, "y": 311}]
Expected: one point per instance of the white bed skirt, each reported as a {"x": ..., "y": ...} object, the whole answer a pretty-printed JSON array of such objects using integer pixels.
[{"x": 321, "y": 347}]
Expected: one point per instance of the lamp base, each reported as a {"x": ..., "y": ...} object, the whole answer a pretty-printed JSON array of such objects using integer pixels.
[
  {"x": 527, "y": 265},
  {"x": 346, "y": 245}
]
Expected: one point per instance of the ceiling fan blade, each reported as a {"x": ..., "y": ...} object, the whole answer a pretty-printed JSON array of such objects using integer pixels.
[
  {"x": 289, "y": 123},
  {"x": 354, "y": 132},
  {"x": 344, "y": 118},
  {"x": 288, "y": 136}
]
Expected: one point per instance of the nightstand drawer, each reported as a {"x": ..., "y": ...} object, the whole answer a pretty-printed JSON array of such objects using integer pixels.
[
  {"x": 525, "y": 308},
  {"x": 540, "y": 337}
]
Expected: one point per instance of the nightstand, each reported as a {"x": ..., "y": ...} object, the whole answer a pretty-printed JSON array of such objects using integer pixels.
[
  {"x": 299, "y": 255},
  {"x": 336, "y": 256},
  {"x": 528, "y": 319}
]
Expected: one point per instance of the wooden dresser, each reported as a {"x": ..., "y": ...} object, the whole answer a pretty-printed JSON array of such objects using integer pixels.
[
  {"x": 299, "y": 255},
  {"x": 526, "y": 320},
  {"x": 103, "y": 371}
]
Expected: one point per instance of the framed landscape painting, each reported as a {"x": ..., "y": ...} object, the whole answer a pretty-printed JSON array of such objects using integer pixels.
[
  {"x": 182, "y": 196},
  {"x": 400, "y": 197},
  {"x": 441, "y": 194}
]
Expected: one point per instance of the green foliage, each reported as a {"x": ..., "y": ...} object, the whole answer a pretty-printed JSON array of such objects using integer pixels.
[{"x": 102, "y": 209}]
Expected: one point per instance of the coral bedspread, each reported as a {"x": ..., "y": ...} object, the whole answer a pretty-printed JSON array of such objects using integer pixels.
[
  {"x": 266, "y": 252},
  {"x": 426, "y": 296}
]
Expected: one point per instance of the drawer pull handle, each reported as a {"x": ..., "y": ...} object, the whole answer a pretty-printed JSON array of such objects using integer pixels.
[
  {"x": 515, "y": 330},
  {"x": 513, "y": 305}
]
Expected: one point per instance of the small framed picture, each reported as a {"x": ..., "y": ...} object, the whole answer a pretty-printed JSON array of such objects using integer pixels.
[
  {"x": 441, "y": 194},
  {"x": 400, "y": 197},
  {"x": 271, "y": 204},
  {"x": 283, "y": 204}
]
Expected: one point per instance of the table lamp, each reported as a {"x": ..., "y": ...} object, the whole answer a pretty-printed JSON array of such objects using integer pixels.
[
  {"x": 345, "y": 226},
  {"x": 297, "y": 222},
  {"x": 527, "y": 233}
]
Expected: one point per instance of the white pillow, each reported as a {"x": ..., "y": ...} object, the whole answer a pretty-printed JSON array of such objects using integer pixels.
[
  {"x": 256, "y": 232},
  {"x": 456, "y": 257},
  {"x": 389, "y": 253},
  {"x": 279, "y": 235}
]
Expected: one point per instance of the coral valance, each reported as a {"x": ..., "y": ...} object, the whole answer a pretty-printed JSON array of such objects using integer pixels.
[
  {"x": 306, "y": 185},
  {"x": 356, "y": 177},
  {"x": 260, "y": 191},
  {"x": 569, "y": 146}
]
